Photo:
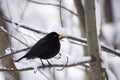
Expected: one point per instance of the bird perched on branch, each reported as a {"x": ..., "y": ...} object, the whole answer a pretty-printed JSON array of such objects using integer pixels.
[{"x": 45, "y": 48}]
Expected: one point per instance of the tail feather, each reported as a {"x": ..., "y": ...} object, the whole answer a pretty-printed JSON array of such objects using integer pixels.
[{"x": 19, "y": 59}]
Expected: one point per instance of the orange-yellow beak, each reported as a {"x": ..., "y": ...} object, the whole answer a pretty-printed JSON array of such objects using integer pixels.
[{"x": 61, "y": 35}]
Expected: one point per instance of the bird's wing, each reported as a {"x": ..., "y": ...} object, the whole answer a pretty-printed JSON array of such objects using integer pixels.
[{"x": 37, "y": 49}]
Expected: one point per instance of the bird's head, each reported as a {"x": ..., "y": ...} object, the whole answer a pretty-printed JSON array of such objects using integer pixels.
[{"x": 55, "y": 35}]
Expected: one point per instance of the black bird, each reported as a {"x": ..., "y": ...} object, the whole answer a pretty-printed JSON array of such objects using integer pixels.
[{"x": 45, "y": 48}]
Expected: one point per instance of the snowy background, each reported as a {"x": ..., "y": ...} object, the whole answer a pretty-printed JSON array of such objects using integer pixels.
[{"x": 46, "y": 18}]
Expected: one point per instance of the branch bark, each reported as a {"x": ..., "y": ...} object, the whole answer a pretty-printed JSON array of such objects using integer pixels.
[
  {"x": 93, "y": 49},
  {"x": 108, "y": 11},
  {"x": 8, "y": 61},
  {"x": 81, "y": 17}
]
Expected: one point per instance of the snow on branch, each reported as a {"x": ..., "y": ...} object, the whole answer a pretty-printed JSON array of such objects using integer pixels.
[
  {"x": 82, "y": 40},
  {"x": 71, "y": 63}
]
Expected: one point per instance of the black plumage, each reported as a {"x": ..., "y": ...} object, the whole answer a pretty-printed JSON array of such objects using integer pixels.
[{"x": 45, "y": 48}]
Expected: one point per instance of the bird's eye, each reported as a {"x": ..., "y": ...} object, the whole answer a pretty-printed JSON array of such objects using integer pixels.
[{"x": 55, "y": 36}]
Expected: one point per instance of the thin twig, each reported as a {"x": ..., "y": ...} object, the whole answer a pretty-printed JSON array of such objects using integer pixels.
[
  {"x": 57, "y": 5},
  {"x": 63, "y": 67},
  {"x": 1, "y": 29},
  {"x": 22, "y": 26},
  {"x": 15, "y": 52},
  {"x": 60, "y": 13},
  {"x": 44, "y": 75}
]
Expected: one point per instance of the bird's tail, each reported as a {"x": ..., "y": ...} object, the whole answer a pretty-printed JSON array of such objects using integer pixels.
[{"x": 19, "y": 59}]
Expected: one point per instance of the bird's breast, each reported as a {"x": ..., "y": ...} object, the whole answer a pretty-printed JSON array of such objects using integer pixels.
[{"x": 53, "y": 50}]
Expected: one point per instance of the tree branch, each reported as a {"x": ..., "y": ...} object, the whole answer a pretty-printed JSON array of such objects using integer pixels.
[
  {"x": 103, "y": 47},
  {"x": 2, "y": 29},
  {"x": 92, "y": 40},
  {"x": 57, "y": 5},
  {"x": 14, "y": 52},
  {"x": 47, "y": 66},
  {"x": 82, "y": 40},
  {"x": 60, "y": 12},
  {"x": 22, "y": 26}
]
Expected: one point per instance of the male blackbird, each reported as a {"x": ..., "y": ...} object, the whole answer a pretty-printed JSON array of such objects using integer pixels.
[{"x": 45, "y": 48}]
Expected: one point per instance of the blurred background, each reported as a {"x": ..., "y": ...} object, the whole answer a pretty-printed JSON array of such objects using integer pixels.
[{"x": 62, "y": 16}]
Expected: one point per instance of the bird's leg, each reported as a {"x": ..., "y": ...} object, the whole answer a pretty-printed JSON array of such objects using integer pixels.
[
  {"x": 60, "y": 55},
  {"x": 48, "y": 62},
  {"x": 42, "y": 62}
]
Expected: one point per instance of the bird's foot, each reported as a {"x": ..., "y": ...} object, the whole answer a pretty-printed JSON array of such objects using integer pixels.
[{"x": 42, "y": 62}]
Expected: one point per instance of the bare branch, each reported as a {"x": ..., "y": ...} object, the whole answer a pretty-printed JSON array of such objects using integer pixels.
[
  {"x": 1, "y": 29},
  {"x": 22, "y": 26},
  {"x": 60, "y": 13},
  {"x": 103, "y": 47},
  {"x": 47, "y": 66},
  {"x": 92, "y": 40},
  {"x": 14, "y": 52},
  {"x": 82, "y": 40},
  {"x": 57, "y": 5}
]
